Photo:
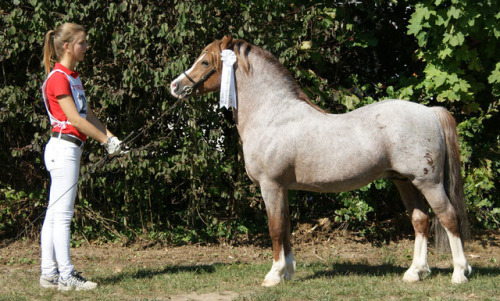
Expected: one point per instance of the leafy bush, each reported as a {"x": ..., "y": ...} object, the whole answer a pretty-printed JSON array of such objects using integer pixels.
[
  {"x": 458, "y": 42},
  {"x": 185, "y": 180}
]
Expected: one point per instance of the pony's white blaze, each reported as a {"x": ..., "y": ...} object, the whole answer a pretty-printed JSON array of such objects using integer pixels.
[
  {"x": 179, "y": 78},
  {"x": 419, "y": 268},
  {"x": 289, "y": 144}
]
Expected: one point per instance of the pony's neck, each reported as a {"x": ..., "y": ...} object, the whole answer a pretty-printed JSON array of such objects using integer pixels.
[{"x": 266, "y": 94}]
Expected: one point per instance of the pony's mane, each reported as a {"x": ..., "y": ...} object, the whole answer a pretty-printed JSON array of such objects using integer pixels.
[{"x": 242, "y": 48}]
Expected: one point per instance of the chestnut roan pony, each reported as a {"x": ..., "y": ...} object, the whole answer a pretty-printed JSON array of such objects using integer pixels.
[{"x": 289, "y": 143}]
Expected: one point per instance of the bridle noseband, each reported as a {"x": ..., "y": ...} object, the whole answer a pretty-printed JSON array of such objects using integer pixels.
[{"x": 188, "y": 90}]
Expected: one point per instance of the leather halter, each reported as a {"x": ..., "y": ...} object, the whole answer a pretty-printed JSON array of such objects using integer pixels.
[{"x": 188, "y": 90}]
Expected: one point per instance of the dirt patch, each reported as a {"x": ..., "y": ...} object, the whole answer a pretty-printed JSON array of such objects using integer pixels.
[
  {"x": 310, "y": 243},
  {"x": 224, "y": 296}
]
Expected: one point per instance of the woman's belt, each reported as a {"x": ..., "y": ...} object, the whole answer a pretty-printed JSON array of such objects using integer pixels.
[{"x": 69, "y": 138}]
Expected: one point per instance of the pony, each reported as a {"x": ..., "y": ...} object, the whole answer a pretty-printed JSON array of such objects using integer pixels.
[{"x": 290, "y": 143}]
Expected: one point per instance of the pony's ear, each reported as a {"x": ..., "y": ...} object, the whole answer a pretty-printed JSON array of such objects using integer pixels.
[{"x": 227, "y": 42}]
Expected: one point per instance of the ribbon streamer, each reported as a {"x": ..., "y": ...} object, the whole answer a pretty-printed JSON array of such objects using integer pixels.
[{"x": 227, "y": 86}]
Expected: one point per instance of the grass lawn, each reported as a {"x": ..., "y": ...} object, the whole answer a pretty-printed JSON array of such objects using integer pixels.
[{"x": 340, "y": 269}]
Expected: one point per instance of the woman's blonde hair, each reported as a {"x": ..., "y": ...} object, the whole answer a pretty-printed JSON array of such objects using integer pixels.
[{"x": 55, "y": 40}]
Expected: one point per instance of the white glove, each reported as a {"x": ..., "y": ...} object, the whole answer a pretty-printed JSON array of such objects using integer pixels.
[{"x": 113, "y": 145}]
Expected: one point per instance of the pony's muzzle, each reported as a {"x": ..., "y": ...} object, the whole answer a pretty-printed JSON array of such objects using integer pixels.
[
  {"x": 174, "y": 90},
  {"x": 180, "y": 91}
]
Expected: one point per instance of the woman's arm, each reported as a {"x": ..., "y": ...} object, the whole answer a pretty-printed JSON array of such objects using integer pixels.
[
  {"x": 87, "y": 127},
  {"x": 97, "y": 123}
]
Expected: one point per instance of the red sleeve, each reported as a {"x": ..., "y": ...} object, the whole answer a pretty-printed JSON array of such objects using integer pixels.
[{"x": 58, "y": 85}]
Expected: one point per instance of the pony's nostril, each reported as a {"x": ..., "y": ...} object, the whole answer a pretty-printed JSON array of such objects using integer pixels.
[{"x": 173, "y": 87}]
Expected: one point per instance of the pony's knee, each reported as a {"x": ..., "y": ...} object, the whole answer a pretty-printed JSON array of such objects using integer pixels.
[
  {"x": 420, "y": 222},
  {"x": 448, "y": 218}
]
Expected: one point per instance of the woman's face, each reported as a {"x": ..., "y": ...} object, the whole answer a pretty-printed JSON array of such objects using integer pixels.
[{"x": 79, "y": 46}]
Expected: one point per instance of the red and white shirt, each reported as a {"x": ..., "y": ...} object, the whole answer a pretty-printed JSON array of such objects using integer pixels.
[{"x": 62, "y": 81}]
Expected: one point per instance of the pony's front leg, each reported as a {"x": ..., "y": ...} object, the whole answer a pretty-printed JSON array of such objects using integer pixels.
[{"x": 276, "y": 200}]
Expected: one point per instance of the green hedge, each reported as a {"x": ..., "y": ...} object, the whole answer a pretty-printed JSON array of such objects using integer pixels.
[{"x": 185, "y": 180}]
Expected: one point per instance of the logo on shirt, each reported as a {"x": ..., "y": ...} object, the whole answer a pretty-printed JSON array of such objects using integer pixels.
[{"x": 83, "y": 103}]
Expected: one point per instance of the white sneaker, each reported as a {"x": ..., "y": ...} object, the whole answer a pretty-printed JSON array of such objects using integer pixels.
[
  {"x": 49, "y": 282},
  {"x": 75, "y": 281}
]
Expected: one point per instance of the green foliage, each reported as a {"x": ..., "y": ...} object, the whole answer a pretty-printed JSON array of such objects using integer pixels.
[
  {"x": 185, "y": 180},
  {"x": 458, "y": 43}
]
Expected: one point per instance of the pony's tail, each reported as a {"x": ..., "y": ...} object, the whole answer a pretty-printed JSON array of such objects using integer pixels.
[{"x": 452, "y": 182}]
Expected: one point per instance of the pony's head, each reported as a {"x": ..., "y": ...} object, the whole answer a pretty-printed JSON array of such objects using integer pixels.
[{"x": 205, "y": 74}]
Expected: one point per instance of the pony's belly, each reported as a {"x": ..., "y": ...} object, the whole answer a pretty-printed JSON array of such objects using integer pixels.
[
  {"x": 335, "y": 184},
  {"x": 316, "y": 187},
  {"x": 337, "y": 175}
]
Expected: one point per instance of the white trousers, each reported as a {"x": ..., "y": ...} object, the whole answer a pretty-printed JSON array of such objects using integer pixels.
[{"x": 62, "y": 160}]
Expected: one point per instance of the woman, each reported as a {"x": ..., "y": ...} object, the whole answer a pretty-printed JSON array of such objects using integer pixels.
[{"x": 72, "y": 121}]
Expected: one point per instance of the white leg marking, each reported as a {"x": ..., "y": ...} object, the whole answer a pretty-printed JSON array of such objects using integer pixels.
[
  {"x": 419, "y": 268},
  {"x": 460, "y": 265},
  {"x": 276, "y": 274}
]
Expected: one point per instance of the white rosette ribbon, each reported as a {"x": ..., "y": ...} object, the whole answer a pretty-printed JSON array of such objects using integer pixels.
[{"x": 227, "y": 86}]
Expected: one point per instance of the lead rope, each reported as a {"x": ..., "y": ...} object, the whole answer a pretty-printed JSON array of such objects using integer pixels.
[{"x": 126, "y": 142}]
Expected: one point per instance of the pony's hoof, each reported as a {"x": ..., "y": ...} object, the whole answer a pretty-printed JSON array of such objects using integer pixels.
[
  {"x": 459, "y": 275},
  {"x": 288, "y": 276},
  {"x": 459, "y": 279},
  {"x": 268, "y": 282},
  {"x": 411, "y": 277}
]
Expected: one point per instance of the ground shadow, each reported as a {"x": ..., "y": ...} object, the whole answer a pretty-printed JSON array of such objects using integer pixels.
[
  {"x": 346, "y": 269},
  {"x": 476, "y": 272},
  {"x": 151, "y": 272}
]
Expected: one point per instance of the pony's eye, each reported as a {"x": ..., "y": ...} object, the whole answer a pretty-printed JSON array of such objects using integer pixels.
[{"x": 204, "y": 63}]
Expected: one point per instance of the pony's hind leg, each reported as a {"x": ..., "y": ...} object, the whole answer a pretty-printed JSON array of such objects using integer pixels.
[
  {"x": 439, "y": 202},
  {"x": 415, "y": 205},
  {"x": 276, "y": 200}
]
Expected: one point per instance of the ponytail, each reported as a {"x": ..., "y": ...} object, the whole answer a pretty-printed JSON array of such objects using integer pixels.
[
  {"x": 48, "y": 50},
  {"x": 55, "y": 40}
]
